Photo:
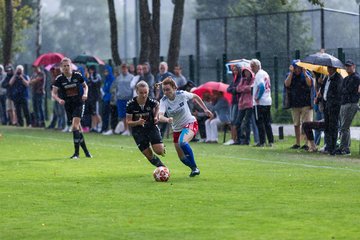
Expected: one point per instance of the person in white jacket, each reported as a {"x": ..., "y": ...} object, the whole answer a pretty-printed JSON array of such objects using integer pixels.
[{"x": 262, "y": 103}]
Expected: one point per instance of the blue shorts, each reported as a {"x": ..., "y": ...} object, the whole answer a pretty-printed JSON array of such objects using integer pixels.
[
  {"x": 121, "y": 107},
  {"x": 234, "y": 112}
]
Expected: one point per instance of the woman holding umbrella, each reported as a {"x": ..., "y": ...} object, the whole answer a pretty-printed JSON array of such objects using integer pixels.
[{"x": 236, "y": 70}]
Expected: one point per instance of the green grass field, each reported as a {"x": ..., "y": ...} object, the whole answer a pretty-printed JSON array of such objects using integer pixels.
[{"x": 242, "y": 192}]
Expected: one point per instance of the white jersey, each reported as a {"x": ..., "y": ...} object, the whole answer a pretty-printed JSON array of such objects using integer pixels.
[
  {"x": 178, "y": 109},
  {"x": 262, "y": 77}
]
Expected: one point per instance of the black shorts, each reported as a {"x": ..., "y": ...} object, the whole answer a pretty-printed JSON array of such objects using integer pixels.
[
  {"x": 145, "y": 136},
  {"x": 74, "y": 110},
  {"x": 92, "y": 107}
]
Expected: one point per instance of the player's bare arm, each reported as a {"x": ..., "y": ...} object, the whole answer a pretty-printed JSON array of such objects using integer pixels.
[
  {"x": 202, "y": 105},
  {"x": 156, "y": 113},
  {"x": 131, "y": 123},
  {"x": 85, "y": 95},
  {"x": 162, "y": 118},
  {"x": 54, "y": 95}
]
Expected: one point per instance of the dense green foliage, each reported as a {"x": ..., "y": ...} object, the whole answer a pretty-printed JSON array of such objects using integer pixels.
[
  {"x": 242, "y": 192},
  {"x": 22, "y": 18}
]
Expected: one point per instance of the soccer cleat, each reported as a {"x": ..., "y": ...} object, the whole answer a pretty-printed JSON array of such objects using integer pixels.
[
  {"x": 88, "y": 155},
  {"x": 75, "y": 156},
  {"x": 194, "y": 172}
]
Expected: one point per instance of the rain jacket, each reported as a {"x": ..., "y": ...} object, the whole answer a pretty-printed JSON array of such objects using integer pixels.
[
  {"x": 244, "y": 88},
  {"x": 232, "y": 87},
  {"x": 107, "y": 84}
]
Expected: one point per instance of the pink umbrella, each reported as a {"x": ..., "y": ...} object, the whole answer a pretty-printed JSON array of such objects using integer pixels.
[
  {"x": 213, "y": 86},
  {"x": 48, "y": 67},
  {"x": 48, "y": 58}
]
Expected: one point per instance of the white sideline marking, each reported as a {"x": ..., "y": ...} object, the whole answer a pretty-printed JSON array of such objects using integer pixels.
[
  {"x": 67, "y": 141},
  {"x": 243, "y": 159},
  {"x": 297, "y": 164}
]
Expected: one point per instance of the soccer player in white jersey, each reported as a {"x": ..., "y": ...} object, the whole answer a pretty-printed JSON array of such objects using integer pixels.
[{"x": 184, "y": 125}]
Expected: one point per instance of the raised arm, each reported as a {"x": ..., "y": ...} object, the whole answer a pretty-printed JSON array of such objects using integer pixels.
[{"x": 290, "y": 76}]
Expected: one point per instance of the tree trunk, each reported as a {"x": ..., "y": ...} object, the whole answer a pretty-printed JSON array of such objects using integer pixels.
[
  {"x": 155, "y": 37},
  {"x": 145, "y": 25},
  {"x": 38, "y": 28},
  {"x": 174, "y": 46},
  {"x": 113, "y": 34},
  {"x": 9, "y": 31}
]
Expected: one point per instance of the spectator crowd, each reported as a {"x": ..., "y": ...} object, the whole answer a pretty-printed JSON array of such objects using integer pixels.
[{"x": 332, "y": 100}]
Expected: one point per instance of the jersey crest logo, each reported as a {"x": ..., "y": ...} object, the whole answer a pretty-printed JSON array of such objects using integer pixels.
[{"x": 181, "y": 104}]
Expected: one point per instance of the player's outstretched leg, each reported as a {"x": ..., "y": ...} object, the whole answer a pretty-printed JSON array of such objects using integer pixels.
[
  {"x": 155, "y": 160},
  {"x": 189, "y": 159},
  {"x": 83, "y": 146},
  {"x": 76, "y": 138}
]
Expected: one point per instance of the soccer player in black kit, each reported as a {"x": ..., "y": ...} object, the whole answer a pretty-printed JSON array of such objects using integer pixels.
[
  {"x": 68, "y": 86},
  {"x": 142, "y": 117}
]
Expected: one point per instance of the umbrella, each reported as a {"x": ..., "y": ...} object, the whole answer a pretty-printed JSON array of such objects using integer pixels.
[
  {"x": 88, "y": 59},
  {"x": 323, "y": 59},
  {"x": 57, "y": 65},
  {"x": 48, "y": 58},
  {"x": 239, "y": 62},
  {"x": 213, "y": 86},
  {"x": 320, "y": 69}
]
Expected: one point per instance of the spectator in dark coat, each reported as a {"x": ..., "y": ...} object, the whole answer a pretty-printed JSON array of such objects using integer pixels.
[
  {"x": 19, "y": 84},
  {"x": 349, "y": 106}
]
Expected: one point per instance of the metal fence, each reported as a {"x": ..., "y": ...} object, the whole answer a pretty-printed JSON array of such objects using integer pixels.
[{"x": 278, "y": 33}]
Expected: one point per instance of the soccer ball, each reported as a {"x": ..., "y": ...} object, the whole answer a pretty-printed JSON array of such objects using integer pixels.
[{"x": 161, "y": 174}]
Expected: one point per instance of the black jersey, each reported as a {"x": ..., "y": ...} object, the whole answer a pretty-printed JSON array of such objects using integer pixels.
[
  {"x": 145, "y": 112},
  {"x": 70, "y": 88}
]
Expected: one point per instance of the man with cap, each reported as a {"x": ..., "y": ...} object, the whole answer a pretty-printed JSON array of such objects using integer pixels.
[
  {"x": 300, "y": 83},
  {"x": 349, "y": 106}
]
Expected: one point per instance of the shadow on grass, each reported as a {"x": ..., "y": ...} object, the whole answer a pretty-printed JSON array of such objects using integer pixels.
[{"x": 49, "y": 159}]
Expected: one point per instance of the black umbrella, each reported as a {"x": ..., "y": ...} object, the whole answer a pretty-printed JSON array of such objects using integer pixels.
[
  {"x": 88, "y": 59},
  {"x": 323, "y": 59}
]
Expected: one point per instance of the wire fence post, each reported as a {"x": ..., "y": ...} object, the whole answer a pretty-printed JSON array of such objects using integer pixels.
[
  {"x": 276, "y": 79},
  {"x": 223, "y": 67},
  {"x": 191, "y": 68},
  {"x": 218, "y": 70}
]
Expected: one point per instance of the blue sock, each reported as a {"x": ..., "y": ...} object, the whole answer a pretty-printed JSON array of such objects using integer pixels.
[
  {"x": 190, "y": 161},
  {"x": 186, "y": 161}
]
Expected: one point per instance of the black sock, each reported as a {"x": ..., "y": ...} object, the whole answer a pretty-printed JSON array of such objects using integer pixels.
[
  {"x": 156, "y": 161},
  {"x": 82, "y": 143},
  {"x": 76, "y": 137}
]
